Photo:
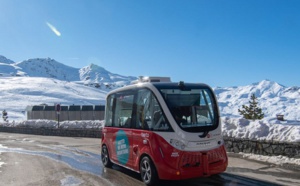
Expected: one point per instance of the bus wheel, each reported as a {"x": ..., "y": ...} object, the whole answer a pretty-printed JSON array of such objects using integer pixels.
[
  {"x": 105, "y": 157},
  {"x": 148, "y": 171}
]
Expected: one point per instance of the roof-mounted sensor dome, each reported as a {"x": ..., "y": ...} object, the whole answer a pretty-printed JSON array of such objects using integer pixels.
[{"x": 149, "y": 79}]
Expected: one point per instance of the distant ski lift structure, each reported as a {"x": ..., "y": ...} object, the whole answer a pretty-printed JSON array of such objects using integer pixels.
[{"x": 280, "y": 117}]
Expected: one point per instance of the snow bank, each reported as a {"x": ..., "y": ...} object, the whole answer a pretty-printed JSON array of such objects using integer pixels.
[
  {"x": 277, "y": 160},
  {"x": 260, "y": 130},
  {"x": 231, "y": 127},
  {"x": 85, "y": 124}
]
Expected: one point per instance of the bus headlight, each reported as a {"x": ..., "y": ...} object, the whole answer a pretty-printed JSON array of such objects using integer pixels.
[{"x": 177, "y": 144}]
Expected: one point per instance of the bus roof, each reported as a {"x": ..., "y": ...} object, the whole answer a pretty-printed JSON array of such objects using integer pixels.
[{"x": 164, "y": 85}]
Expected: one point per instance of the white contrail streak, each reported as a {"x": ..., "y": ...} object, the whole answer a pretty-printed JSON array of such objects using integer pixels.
[{"x": 56, "y": 32}]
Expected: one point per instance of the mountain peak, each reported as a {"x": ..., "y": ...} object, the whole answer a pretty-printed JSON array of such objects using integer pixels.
[
  {"x": 3, "y": 59},
  {"x": 265, "y": 81},
  {"x": 93, "y": 66},
  {"x": 267, "y": 84},
  {"x": 50, "y": 68},
  {"x": 97, "y": 74},
  {"x": 47, "y": 67}
]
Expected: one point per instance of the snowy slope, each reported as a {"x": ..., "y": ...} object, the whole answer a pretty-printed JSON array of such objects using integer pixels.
[
  {"x": 273, "y": 98},
  {"x": 17, "y": 93},
  {"x": 95, "y": 74},
  {"x": 7, "y": 67},
  {"x": 46, "y": 81},
  {"x": 47, "y": 67},
  {"x": 10, "y": 70},
  {"x": 3, "y": 59},
  {"x": 91, "y": 75}
]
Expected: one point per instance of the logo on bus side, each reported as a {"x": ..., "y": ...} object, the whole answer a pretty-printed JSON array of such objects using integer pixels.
[
  {"x": 145, "y": 135},
  {"x": 175, "y": 154},
  {"x": 203, "y": 143},
  {"x": 122, "y": 147}
]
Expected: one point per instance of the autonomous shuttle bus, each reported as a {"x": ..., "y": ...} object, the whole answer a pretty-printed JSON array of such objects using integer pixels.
[{"x": 163, "y": 130}]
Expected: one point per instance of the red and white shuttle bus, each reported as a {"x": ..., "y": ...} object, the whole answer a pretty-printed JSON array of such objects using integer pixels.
[{"x": 164, "y": 130}]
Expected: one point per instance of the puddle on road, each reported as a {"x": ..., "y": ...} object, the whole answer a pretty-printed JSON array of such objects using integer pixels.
[{"x": 77, "y": 159}]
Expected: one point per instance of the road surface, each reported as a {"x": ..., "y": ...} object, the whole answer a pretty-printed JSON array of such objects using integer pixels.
[{"x": 48, "y": 160}]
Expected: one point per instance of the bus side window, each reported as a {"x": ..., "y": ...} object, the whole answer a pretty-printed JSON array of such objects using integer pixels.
[
  {"x": 142, "y": 110},
  {"x": 149, "y": 114},
  {"x": 109, "y": 111},
  {"x": 159, "y": 122},
  {"x": 123, "y": 109}
]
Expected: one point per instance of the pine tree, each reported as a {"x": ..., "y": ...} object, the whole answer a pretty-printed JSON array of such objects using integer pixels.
[
  {"x": 252, "y": 111},
  {"x": 4, "y": 115}
]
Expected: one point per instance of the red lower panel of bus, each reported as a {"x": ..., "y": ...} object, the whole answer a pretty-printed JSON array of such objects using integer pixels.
[{"x": 195, "y": 164}]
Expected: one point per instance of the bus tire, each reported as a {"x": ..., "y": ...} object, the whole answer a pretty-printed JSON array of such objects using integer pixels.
[
  {"x": 105, "y": 157},
  {"x": 148, "y": 171}
]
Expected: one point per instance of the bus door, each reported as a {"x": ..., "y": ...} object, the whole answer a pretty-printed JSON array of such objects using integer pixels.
[
  {"x": 121, "y": 145},
  {"x": 142, "y": 131}
]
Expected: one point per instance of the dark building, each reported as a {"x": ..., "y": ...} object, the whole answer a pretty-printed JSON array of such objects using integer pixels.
[{"x": 72, "y": 112}]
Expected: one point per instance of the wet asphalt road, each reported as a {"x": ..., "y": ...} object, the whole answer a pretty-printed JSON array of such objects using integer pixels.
[{"x": 49, "y": 160}]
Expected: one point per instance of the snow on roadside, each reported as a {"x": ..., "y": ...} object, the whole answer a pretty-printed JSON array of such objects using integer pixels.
[
  {"x": 83, "y": 124},
  {"x": 1, "y": 163},
  {"x": 263, "y": 130},
  {"x": 260, "y": 130},
  {"x": 277, "y": 160},
  {"x": 231, "y": 127}
]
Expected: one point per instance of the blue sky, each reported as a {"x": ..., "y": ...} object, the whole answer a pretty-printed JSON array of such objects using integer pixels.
[{"x": 218, "y": 42}]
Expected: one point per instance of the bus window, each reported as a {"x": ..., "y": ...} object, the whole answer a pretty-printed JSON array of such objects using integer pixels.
[
  {"x": 150, "y": 115},
  {"x": 193, "y": 110},
  {"x": 123, "y": 110},
  {"x": 109, "y": 111},
  {"x": 142, "y": 116}
]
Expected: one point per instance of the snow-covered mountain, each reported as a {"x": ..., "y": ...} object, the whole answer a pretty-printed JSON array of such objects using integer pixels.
[
  {"x": 44, "y": 80},
  {"x": 47, "y": 67},
  {"x": 273, "y": 98},
  {"x": 3, "y": 59},
  {"x": 91, "y": 75}
]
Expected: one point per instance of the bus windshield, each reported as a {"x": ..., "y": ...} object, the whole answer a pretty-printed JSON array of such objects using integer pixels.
[{"x": 194, "y": 110}]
